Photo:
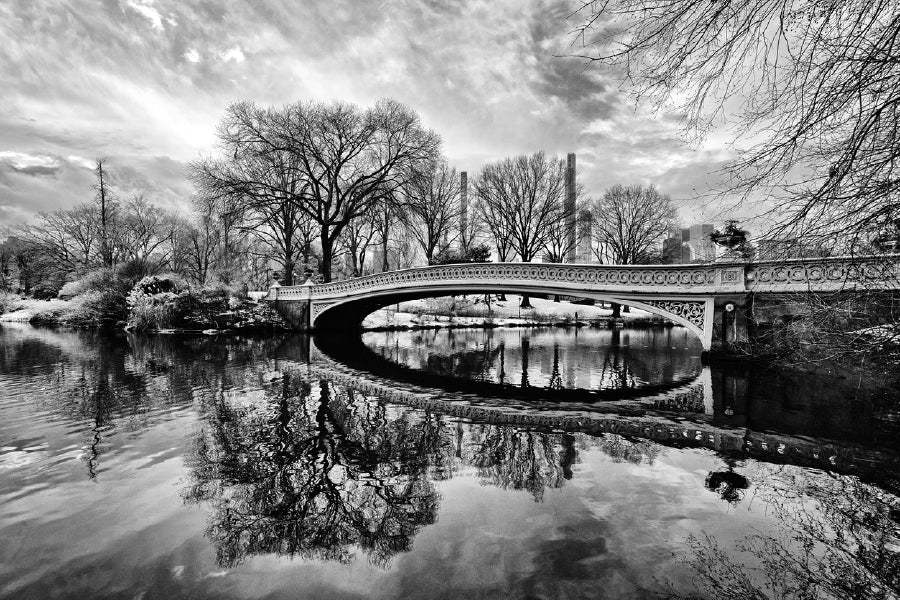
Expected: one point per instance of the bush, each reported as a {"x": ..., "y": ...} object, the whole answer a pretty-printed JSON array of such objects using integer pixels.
[
  {"x": 157, "y": 302},
  {"x": 45, "y": 290},
  {"x": 93, "y": 309},
  {"x": 7, "y": 301},
  {"x": 98, "y": 280}
]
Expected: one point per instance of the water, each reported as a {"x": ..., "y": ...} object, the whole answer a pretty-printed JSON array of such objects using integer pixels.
[{"x": 465, "y": 464}]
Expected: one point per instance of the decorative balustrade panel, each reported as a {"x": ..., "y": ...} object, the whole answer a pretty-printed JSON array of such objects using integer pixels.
[
  {"x": 824, "y": 274},
  {"x": 685, "y": 278}
]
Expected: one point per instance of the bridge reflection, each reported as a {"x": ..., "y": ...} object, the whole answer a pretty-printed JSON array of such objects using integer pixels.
[{"x": 740, "y": 413}]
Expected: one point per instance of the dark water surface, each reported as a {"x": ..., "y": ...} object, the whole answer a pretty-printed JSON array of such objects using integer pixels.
[{"x": 444, "y": 464}]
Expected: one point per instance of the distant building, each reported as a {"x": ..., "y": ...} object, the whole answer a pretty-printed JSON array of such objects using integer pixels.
[
  {"x": 585, "y": 231},
  {"x": 689, "y": 244},
  {"x": 702, "y": 248}
]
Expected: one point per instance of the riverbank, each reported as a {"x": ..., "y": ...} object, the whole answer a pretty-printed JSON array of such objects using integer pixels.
[
  {"x": 198, "y": 314},
  {"x": 432, "y": 313}
]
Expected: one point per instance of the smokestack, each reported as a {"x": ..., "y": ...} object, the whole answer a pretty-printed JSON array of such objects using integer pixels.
[
  {"x": 569, "y": 208},
  {"x": 463, "y": 212}
]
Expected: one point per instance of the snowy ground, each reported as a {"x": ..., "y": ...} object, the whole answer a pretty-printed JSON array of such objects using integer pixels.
[
  {"x": 22, "y": 311},
  {"x": 473, "y": 310}
]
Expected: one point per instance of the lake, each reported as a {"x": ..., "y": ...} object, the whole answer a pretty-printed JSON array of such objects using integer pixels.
[{"x": 504, "y": 463}]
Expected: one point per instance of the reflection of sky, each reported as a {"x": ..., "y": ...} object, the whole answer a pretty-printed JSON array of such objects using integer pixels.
[
  {"x": 609, "y": 530},
  {"x": 587, "y": 359}
]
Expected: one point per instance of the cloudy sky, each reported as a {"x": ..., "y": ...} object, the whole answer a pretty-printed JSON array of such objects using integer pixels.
[{"x": 144, "y": 82}]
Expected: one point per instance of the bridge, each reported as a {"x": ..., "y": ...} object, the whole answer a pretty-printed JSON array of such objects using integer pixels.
[{"x": 713, "y": 300}]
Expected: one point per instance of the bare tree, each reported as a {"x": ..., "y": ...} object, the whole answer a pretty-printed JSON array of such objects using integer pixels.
[
  {"x": 69, "y": 237},
  {"x": 629, "y": 221},
  {"x": 385, "y": 222},
  {"x": 815, "y": 84},
  {"x": 334, "y": 162},
  {"x": 431, "y": 208},
  {"x": 142, "y": 233},
  {"x": 562, "y": 235},
  {"x": 355, "y": 242},
  {"x": 523, "y": 195},
  {"x": 521, "y": 200},
  {"x": 498, "y": 226},
  {"x": 106, "y": 202}
]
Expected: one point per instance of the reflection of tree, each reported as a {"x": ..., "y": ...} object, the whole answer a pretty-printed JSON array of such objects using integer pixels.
[
  {"x": 838, "y": 538},
  {"x": 526, "y": 346},
  {"x": 523, "y": 460},
  {"x": 475, "y": 365},
  {"x": 555, "y": 376},
  {"x": 729, "y": 485},
  {"x": 617, "y": 371},
  {"x": 621, "y": 449},
  {"x": 315, "y": 477}
]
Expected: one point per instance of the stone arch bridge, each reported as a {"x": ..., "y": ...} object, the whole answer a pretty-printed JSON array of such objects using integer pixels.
[{"x": 714, "y": 300}]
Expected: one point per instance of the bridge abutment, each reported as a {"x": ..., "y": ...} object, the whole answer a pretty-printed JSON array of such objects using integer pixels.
[
  {"x": 295, "y": 312},
  {"x": 732, "y": 316}
]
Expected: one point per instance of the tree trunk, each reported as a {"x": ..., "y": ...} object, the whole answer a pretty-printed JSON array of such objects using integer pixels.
[
  {"x": 526, "y": 302},
  {"x": 288, "y": 261},
  {"x": 616, "y": 310},
  {"x": 288, "y": 270},
  {"x": 385, "y": 265},
  {"x": 327, "y": 250}
]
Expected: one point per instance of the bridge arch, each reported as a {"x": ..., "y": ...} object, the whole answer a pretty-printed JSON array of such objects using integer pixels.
[{"x": 349, "y": 313}]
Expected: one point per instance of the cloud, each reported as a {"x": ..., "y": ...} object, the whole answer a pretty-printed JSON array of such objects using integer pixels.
[
  {"x": 146, "y": 10},
  {"x": 131, "y": 86},
  {"x": 232, "y": 54},
  {"x": 28, "y": 164}
]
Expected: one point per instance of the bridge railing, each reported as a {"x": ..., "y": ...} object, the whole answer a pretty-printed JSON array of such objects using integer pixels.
[
  {"x": 814, "y": 274},
  {"x": 697, "y": 278}
]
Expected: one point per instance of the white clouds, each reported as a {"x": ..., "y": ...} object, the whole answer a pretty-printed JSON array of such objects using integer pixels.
[
  {"x": 146, "y": 10},
  {"x": 482, "y": 73},
  {"x": 232, "y": 54},
  {"x": 80, "y": 161},
  {"x": 21, "y": 161}
]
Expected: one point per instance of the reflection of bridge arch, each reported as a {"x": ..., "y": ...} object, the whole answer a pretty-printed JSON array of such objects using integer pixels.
[
  {"x": 694, "y": 296},
  {"x": 672, "y": 418},
  {"x": 686, "y": 392}
]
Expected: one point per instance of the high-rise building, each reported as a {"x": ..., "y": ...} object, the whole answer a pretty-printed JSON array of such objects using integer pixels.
[
  {"x": 463, "y": 213},
  {"x": 569, "y": 207},
  {"x": 689, "y": 244},
  {"x": 585, "y": 230},
  {"x": 702, "y": 247}
]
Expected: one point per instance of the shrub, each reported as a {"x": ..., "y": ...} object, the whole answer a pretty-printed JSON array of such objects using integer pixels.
[
  {"x": 157, "y": 302},
  {"x": 94, "y": 308},
  {"x": 98, "y": 280},
  {"x": 7, "y": 301},
  {"x": 45, "y": 290},
  {"x": 151, "y": 311}
]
